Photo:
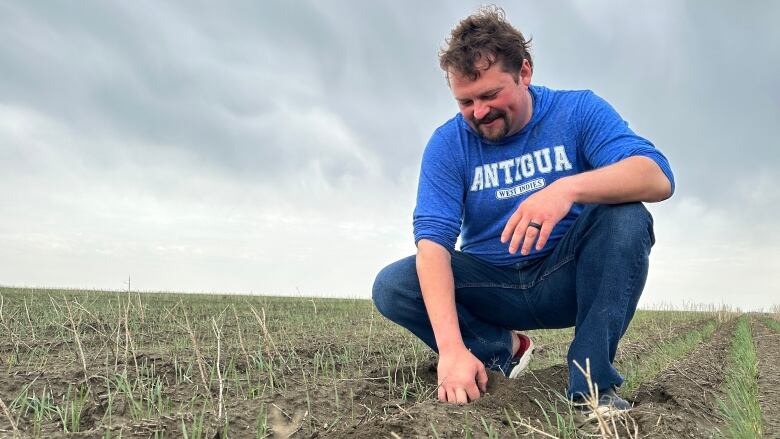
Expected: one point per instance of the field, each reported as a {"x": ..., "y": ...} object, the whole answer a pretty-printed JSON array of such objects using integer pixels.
[{"x": 108, "y": 364}]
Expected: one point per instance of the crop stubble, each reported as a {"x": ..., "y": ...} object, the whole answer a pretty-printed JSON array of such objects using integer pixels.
[
  {"x": 340, "y": 370},
  {"x": 767, "y": 342}
]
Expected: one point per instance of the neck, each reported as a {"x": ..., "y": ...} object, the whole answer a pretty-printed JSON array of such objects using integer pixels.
[{"x": 528, "y": 113}]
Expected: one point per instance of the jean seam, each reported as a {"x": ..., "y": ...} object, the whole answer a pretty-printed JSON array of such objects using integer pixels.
[
  {"x": 547, "y": 273},
  {"x": 489, "y": 285},
  {"x": 560, "y": 264},
  {"x": 532, "y": 311}
]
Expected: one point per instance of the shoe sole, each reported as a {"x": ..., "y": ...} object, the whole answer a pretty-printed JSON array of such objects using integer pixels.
[{"x": 522, "y": 363}]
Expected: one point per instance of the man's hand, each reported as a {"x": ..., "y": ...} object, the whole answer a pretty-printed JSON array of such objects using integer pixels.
[
  {"x": 461, "y": 376},
  {"x": 546, "y": 208}
]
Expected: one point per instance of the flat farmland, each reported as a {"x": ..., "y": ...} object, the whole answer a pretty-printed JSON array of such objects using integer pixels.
[{"x": 156, "y": 365}]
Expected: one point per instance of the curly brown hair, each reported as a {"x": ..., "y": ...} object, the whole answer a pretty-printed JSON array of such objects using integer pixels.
[{"x": 485, "y": 37}]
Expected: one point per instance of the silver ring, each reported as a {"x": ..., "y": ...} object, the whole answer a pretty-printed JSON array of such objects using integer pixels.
[{"x": 535, "y": 225}]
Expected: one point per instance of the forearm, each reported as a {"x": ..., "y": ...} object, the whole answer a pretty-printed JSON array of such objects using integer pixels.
[
  {"x": 631, "y": 179},
  {"x": 434, "y": 270}
]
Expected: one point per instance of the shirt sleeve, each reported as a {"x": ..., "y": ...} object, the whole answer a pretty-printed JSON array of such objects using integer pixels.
[
  {"x": 440, "y": 194},
  {"x": 607, "y": 139}
]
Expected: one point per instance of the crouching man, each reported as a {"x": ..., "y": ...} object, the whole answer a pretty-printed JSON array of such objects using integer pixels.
[{"x": 545, "y": 189}]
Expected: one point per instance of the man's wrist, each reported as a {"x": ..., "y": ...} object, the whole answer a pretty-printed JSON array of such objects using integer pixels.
[
  {"x": 569, "y": 187},
  {"x": 451, "y": 346}
]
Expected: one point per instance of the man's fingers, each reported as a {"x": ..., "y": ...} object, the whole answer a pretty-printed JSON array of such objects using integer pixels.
[
  {"x": 451, "y": 395},
  {"x": 510, "y": 226},
  {"x": 544, "y": 234},
  {"x": 518, "y": 235},
  {"x": 461, "y": 397},
  {"x": 530, "y": 237},
  {"x": 482, "y": 380},
  {"x": 472, "y": 391}
]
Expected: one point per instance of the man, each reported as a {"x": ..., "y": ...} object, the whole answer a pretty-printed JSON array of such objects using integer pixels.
[{"x": 544, "y": 188}]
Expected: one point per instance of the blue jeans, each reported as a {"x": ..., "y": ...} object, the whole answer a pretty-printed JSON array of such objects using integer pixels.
[{"x": 592, "y": 280}]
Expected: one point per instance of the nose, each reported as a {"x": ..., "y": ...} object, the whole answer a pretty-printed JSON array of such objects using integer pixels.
[{"x": 480, "y": 110}]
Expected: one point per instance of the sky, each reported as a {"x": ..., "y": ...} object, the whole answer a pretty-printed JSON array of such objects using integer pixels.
[{"x": 273, "y": 147}]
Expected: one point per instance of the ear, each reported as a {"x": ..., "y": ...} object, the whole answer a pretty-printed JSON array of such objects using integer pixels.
[{"x": 526, "y": 71}]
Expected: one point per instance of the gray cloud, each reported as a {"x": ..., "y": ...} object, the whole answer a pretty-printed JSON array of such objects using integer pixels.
[{"x": 233, "y": 144}]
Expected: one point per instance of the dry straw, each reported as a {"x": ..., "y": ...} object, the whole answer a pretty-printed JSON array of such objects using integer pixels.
[
  {"x": 198, "y": 356},
  {"x": 218, "y": 335},
  {"x": 78, "y": 339},
  {"x": 607, "y": 425},
  {"x": 10, "y": 419}
]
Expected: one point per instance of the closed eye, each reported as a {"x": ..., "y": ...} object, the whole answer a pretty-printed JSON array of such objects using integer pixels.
[{"x": 490, "y": 95}]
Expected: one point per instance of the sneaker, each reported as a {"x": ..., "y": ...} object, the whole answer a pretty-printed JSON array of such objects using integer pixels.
[
  {"x": 522, "y": 357},
  {"x": 610, "y": 403}
]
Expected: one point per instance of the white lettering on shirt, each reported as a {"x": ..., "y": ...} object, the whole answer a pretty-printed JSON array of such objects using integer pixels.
[
  {"x": 561, "y": 160},
  {"x": 505, "y": 166},
  {"x": 525, "y": 166},
  {"x": 520, "y": 189},
  {"x": 491, "y": 175}
]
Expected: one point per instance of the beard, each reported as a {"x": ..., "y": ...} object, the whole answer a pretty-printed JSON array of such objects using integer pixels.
[{"x": 494, "y": 133}]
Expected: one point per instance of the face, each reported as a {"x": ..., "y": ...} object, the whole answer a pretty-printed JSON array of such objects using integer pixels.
[{"x": 494, "y": 104}]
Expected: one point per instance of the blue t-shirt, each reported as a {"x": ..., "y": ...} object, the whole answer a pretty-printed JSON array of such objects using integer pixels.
[{"x": 469, "y": 186}]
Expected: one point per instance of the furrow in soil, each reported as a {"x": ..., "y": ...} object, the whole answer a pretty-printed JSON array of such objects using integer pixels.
[
  {"x": 767, "y": 342},
  {"x": 682, "y": 400}
]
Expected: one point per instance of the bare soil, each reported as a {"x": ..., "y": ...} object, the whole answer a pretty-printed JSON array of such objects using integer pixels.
[
  {"x": 422, "y": 419},
  {"x": 681, "y": 401}
]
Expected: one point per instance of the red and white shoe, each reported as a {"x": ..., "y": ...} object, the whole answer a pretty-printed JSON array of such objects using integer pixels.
[{"x": 522, "y": 356}]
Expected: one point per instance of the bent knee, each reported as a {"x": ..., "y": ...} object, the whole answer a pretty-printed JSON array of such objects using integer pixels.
[
  {"x": 394, "y": 282},
  {"x": 623, "y": 212},
  {"x": 629, "y": 224}
]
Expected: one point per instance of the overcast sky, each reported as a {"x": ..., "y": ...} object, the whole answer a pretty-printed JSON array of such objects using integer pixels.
[{"x": 273, "y": 147}]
